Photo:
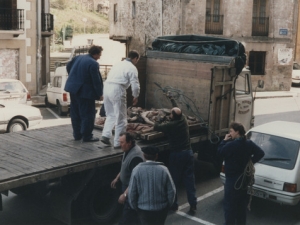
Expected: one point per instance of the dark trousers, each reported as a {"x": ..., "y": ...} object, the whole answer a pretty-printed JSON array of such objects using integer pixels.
[
  {"x": 153, "y": 217},
  {"x": 235, "y": 203},
  {"x": 82, "y": 117},
  {"x": 129, "y": 215},
  {"x": 181, "y": 167}
]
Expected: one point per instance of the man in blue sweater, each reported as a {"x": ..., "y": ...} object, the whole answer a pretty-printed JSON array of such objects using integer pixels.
[{"x": 151, "y": 190}]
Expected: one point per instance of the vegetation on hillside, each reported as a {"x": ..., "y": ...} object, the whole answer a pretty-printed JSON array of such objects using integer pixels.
[{"x": 72, "y": 13}]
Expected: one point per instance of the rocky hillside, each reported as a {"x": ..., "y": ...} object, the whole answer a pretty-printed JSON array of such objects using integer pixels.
[{"x": 81, "y": 17}]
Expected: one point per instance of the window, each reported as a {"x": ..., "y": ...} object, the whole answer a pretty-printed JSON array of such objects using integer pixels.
[
  {"x": 214, "y": 19},
  {"x": 257, "y": 62},
  {"x": 242, "y": 84},
  {"x": 115, "y": 12},
  {"x": 260, "y": 19},
  {"x": 133, "y": 9},
  {"x": 57, "y": 82}
]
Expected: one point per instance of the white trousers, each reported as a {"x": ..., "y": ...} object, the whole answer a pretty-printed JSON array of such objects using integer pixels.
[{"x": 116, "y": 111}]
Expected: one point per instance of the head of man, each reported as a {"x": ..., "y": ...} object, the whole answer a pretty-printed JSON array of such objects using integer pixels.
[
  {"x": 150, "y": 152},
  {"x": 176, "y": 113},
  {"x": 95, "y": 51},
  {"x": 134, "y": 56},
  {"x": 127, "y": 141}
]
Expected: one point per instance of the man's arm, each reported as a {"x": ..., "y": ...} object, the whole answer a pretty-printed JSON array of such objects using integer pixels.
[
  {"x": 96, "y": 78},
  {"x": 132, "y": 191},
  {"x": 258, "y": 153},
  {"x": 115, "y": 181}
]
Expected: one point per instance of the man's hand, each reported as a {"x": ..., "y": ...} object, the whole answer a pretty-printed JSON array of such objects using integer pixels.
[
  {"x": 101, "y": 98},
  {"x": 134, "y": 101},
  {"x": 114, "y": 182},
  {"x": 122, "y": 199},
  {"x": 227, "y": 137}
]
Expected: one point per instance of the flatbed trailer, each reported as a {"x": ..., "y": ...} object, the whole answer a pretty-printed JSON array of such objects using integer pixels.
[{"x": 77, "y": 175}]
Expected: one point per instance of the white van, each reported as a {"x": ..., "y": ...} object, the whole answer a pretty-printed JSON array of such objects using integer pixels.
[
  {"x": 56, "y": 95},
  {"x": 277, "y": 174}
]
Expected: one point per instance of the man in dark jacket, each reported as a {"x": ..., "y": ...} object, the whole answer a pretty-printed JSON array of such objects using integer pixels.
[
  {"x": 85, "y": 86},
  {"x": 181, "y": 159}
]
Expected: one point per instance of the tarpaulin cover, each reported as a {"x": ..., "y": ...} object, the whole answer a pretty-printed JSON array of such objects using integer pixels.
[{"x": 193, "y": 44}]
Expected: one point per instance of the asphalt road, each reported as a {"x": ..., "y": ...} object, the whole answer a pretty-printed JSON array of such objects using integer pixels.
[{"x": 24, "y": 211}]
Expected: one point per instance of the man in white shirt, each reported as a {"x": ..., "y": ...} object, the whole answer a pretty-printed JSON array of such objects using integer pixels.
[{"x": 120, "y": 77}]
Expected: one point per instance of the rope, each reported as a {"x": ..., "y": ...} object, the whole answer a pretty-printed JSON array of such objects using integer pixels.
[{"x": 247, "y": 179}]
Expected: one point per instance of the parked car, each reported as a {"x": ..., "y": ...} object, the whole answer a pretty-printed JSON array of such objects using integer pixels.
[
  {"x": 56, "y": 94},
  {"x": 296, "y": 74},
  {"x": 18, "y": 117},
  {"x": 277, "y": 175},
  {"x": 12, "y": 90}
]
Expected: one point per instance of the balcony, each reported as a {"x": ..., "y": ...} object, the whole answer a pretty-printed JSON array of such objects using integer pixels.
[
  {"x": 11, "y": 22},
  {"x": 47, "y": 24},
  {"x": 214, "y": 24},
  {"x": 260, "y": 26}
]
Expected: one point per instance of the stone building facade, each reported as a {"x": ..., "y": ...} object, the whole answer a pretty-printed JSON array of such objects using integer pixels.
[
  {"x": 25, "y": 29},
  {"x": 267, "y": 28}
]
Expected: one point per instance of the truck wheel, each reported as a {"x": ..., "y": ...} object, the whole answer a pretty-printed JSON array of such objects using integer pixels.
[
  {"x": 16, "y": 125},
  {"x": 60, "y": 110},
  {"x": 102, "y": 202}
]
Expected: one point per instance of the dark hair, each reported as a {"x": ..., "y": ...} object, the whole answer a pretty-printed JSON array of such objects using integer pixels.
[
  {"x": 149, "y": 157},
  {"x": 238, "y": 127},
  {"x": 95, "y": 49},
  {"x": 175, "y": 115},
  {"x": 129, "y": 137},
  {"x": 133, "y": 54}
]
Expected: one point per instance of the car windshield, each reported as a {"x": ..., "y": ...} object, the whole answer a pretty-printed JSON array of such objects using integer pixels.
[
  {"x": 12, "y": 87},
  {"x": 279, "y": 152}
]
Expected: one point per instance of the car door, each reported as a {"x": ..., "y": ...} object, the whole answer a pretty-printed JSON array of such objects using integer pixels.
[
  {"x": 3, "y": 123},
  {"x": 51, "y": 91}
]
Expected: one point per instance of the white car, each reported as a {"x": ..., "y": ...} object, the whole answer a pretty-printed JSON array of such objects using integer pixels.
[
  {"x": 56, "y": 95},
  {"x": 18, "y": 117},
  {"x": 12, "y": 90},
  {"x": 277, "y": 175},
  {"x": 296, "y": 74}
]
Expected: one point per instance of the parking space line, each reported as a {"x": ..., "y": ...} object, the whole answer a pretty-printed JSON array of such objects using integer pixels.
[
  {"x": 53, "y": 113},
  {"x": 209, "y": 194}
]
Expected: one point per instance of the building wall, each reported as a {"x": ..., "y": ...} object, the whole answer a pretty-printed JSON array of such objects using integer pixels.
[{"x": 175, "y": 17}]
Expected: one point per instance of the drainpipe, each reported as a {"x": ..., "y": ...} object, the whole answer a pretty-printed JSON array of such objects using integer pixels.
[
  {"x": 38, "y": 46},
  {"x": 161, "y": 21}
]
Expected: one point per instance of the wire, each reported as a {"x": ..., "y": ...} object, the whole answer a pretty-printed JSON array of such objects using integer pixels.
[{"x": 190, "y": 105}]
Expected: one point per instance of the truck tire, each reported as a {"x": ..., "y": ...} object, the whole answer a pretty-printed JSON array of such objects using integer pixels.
[
  {"x": 16, "y": 125},
  {"x": 102, "y": 202}
]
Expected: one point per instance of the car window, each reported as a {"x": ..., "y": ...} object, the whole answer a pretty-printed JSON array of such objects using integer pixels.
[
  {"x": 59, "y": 82},
  {"x": 242, "y": 84},
  {"x": 279, "y": 152},
  {"x": 12, "y": 87},
  {"x": 296, "y": 66}
]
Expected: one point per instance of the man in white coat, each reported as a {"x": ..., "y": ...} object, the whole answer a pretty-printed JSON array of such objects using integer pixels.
[{"x": 120, "y": 77}]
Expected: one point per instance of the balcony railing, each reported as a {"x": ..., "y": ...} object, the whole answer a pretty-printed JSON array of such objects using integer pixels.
[
  {"x": 260, "y": 26},
  {"x": 47, "y": 22},
  {"x": 11, "y": 19},
  {"x": 214, "y": 24}
]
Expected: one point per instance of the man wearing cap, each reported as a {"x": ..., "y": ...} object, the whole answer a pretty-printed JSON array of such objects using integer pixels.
[
  {"x": 181, "y": 159},
  {"x": 151, "y": 191},
  {"x": 131, "y": 158}
]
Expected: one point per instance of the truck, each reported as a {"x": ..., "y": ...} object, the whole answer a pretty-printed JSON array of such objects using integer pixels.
[{"x": 76, "y": 176}]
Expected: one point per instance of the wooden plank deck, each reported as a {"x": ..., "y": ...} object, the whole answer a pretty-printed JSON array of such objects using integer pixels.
[{"x": 36, "y": 155}]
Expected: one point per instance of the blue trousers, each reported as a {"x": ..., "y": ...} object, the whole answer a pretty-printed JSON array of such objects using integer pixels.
[
  {"x": 82, "y": 112},
  {"x": 181, "y": 167},
  {"x": 235, "y": 203}
]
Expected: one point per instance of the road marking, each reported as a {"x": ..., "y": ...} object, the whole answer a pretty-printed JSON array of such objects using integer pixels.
[
  {"x": 194, "y": 218},
  {"x": 53, "y": 113},
  {"x": 209, "y": 194}
]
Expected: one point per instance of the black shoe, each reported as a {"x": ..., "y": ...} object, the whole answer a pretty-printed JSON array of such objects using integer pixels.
[
  {"x": 91, "y": 140},
  {"x": 77, "y": 139},
  {"x": 192, "y": 210},
  {"x": 174, "y": 208},
  {"x": 105, "y": 140}
]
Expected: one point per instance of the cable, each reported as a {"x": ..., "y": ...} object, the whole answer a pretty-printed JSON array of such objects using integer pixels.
[{"x": 190, "y": 105}]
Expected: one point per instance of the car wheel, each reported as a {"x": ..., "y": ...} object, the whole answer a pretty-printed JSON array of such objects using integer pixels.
[
  {"x": 48, "y": 105},
  {"x": 60, "y": 109},
  {"x": 16, "y": 125}
]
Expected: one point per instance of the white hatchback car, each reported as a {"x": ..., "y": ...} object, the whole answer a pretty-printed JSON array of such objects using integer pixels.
[
  {"x": 56, "y": 95},
  {"x": 18, "y": 117},
  {"x": 277, "y": 175},
  {"x": 296, "y": 74},
  {"x": 12, "y": 90}
]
